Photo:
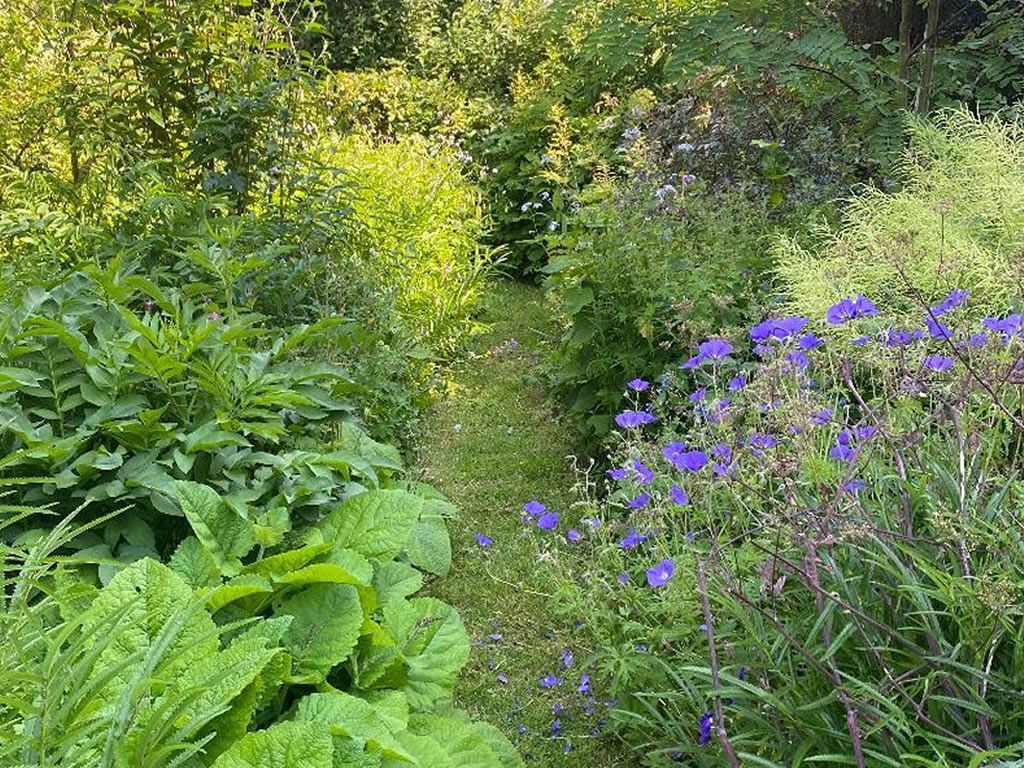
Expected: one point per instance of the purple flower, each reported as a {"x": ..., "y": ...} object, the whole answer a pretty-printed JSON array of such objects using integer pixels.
[
  {"x": 895, "y": 337},
  {"x": 534, "y": 508},
  {"x": 761, "y": 441},
  {"x": 809, "y": 341},
  {"x": 822, "y": 417},
  {"x": 683, "y": 459},
  {"x": 593, "y": 522},
  {"x": 660, "y": 574},
  {"x": 937, "y": 330},
  {"x": 584, "y": 684},
  {"x": 633, "y": 419},
  {"x": 1008, "y": 326},
  {"x": 782, "y": 328},
  {"x": 678, "y": 495},
  {"x": 550, "y": 681},
  {"x": 618, "y": 474},
  {"x": 639, "y": 385},
  {"x": 854, "y": 486},
  {"x": 502, "y": 678},
  {"x": 567, "y": 657},
  {"x": 714, "y": 349},
  {"x": 860, "y": 341},
  {"x": 850, "y": 309},
  {"x": 573, "y": 535},
  {"x": 742, "y": 673},
  {"x": 483, "y": 541},
  {"x": 737, "y": 383},
  {"x": 639, "y": 502},
  {"x": 798, "y": 359},
  {"x": 977, "y": 340},
  {"x": 556, "y": 728},
  {"x": 644, "y": 475},
  {"x": 631, "y": 540},
  {"x": 548, "y": 521},
  {"x": 698, "y": 396},
  {"x": 623, "y": 577},
  {"x": 939, "y": 363},
  {"x": 865, "y": 433},
  {"x": 955, "y": 298},
  {"x": 842, "y": 452},
  {"x": 692, "y": 363},
  {"x": 704, "y": 728}
]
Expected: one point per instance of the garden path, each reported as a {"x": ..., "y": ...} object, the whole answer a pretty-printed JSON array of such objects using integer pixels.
[{"x": 492, "y": 443}]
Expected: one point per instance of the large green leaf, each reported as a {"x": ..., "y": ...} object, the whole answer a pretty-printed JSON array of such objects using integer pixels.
[
  {"x": 467, "y": 744},
  {"x": 395, "y": 580},
  {"x": 430, "y": 548},
  {"x": 326, "y": 626},
  {"x": 285, "y": 745},
  {"x": 433, "y": 643},
  {"x": 376, "y": 523},
  {"x": 352, "y": 717},
  {"x": 225, "y": 534},
  {"x": 159, "y": 614}
]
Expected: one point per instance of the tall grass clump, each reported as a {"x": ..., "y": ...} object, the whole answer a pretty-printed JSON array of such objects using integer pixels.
[{"x": 958, "y": 219}]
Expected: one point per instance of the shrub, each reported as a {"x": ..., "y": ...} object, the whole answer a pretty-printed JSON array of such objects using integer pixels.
[
  {"x": 789, "y": 567},
  {"x": 137, "y": 385},
  {"x": 958, "y": 220},
  {"x": 416, "y": 239},
  {"x": 645, "y": 269}
]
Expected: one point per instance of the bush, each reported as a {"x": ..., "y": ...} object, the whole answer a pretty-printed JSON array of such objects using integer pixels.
[
  {"x": 958, "y": 219},
  {"x": 789, "y": 567},
  {"x": 416, "y": 240},
  {"x": 645, "y": 269}
]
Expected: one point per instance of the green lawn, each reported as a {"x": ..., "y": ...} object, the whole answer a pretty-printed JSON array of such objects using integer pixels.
[{"x": 491, "y": 444}]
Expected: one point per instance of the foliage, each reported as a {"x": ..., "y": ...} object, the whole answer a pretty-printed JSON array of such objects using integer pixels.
[
  {"x": 795, "y": 569},
  {"x": 140, "y": 384},
  {"x": 172, "y": 666},
  {"x": 417, "y": 241},
  {"x": 957, "y": 219},
  {"x": 647, "y": 268}
]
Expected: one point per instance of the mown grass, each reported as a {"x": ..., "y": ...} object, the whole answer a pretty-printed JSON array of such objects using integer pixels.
[{"x": 491, "y": 444}]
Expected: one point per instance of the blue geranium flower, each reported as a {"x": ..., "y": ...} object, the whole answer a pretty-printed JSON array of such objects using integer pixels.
[
  {"x": 737, "y": 383},
  {"x": 644, "y": 475},
  {"x": 809, "y": 341},
  {"x": 678, "y": 495},
  {"x": 939, "y": 363},
  {"x": 534, "y": 508},
  {"x": 483, "y": 541},
  {"x": 684, "y": 459},
  {"x": 630, "y": 541},
  {"x": 714, "y": 349},
  {"x": 639, "y": 502},
  {"x": 850, "y": 309},
  {"x": 660, "y": 574},
  {"x": 618, "y": 473},
  {"x": 704, "y": 728},
  {"x": 937, "y": 330},
  {"x": 550, "y": 681},
  {"x": 955, "y": 298},
  {"x": 630, "y": 419},
  {"x": 548, "y": 521},
  {"x": 639, "y": 385}
]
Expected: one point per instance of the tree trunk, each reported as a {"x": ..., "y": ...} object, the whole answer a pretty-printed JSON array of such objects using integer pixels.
[
  {"x": 931, "y": 28},
  {"x": 906, "y": 20}
]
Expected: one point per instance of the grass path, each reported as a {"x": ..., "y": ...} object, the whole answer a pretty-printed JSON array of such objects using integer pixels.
[{"x": 490, "y": 445}]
